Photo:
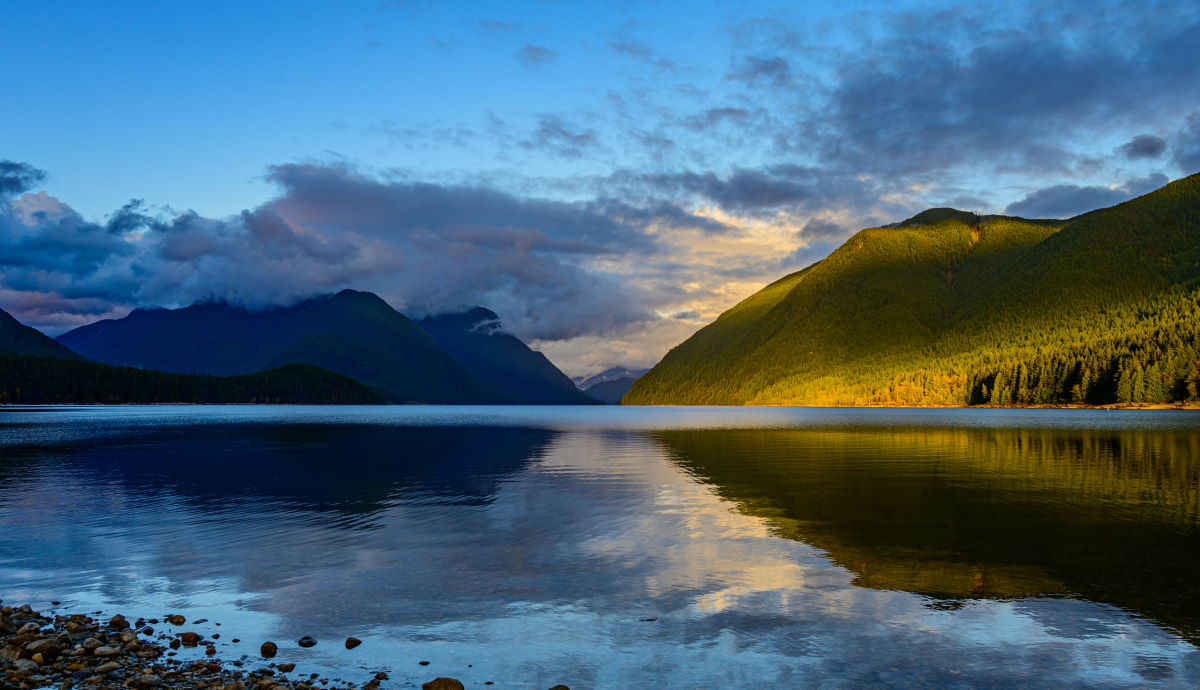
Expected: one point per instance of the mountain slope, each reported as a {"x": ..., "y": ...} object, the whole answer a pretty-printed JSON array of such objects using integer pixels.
[
  {"x": 18, "y": 339},
  {"x": 610, "y": 392},
  {"x": 501, "y": 361},
  {"x": 950, "y": 308},
  {"x": 352, "y": 333},
  {"x": 29, "y": 379}
]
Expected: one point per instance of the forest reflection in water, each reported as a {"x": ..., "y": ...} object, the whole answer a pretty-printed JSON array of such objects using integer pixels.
[{"x": 956, "y": 513}]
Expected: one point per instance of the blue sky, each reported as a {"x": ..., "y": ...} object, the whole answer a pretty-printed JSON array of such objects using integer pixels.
[
  {"x": 186, "y": 104},
  {"x": 608, "y": 177}
]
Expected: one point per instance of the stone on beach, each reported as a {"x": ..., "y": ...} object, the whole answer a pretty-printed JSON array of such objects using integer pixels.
[
  {"x": 443, "y": 684},
  {"x": 269, "y": 649},
  {"x": 306, "y": 641}
]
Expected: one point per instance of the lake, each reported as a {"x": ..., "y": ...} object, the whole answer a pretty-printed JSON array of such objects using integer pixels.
[{"x": 622, "y": 547}]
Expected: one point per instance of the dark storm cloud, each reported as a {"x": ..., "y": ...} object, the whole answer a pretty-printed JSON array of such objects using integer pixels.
[
  {"x": 922, "y": 92},
  {"x": 1068, "y": 200},
  {"x": 425, "y": 247},
  {"x": 535, "y": 56},
  {"x": 16, "y": 178},
  {"x": 1143, "y": 146}
]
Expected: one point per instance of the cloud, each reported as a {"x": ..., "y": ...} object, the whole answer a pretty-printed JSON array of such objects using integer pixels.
[
  {"x": 424, "y": 247},
  {"x": 16, "y": 178},
  {"x": 1187, "y": 146},
  {"x": 922, "y": 92},
  {"x": 1143, "y": 146},
  {"x": 532, "y": 56},
  {"x": 1067, "y": 200},
  {"x": 774, "y": 71},
  {"x": 556, "y": 135}
]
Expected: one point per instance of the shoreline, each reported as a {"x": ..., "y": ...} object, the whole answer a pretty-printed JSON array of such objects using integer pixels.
[
  {"x": 1191, "y": 405},
  {"x": 93, "y": 650}
]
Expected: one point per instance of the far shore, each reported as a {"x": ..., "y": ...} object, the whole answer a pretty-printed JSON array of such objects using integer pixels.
[{"x": 1191, "y": 405}]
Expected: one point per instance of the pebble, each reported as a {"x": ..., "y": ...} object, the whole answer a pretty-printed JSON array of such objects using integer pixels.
[{"x": 85, "y": 651}]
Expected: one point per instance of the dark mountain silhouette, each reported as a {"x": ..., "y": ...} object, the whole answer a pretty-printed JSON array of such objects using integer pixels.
[
  {"x": 18, "y": 339},
  {"x": 501, "y": 361},
  {"x": 352, "y": 333}
]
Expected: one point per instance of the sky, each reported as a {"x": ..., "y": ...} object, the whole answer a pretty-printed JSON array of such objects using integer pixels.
[{"x": 607, "y": 176}]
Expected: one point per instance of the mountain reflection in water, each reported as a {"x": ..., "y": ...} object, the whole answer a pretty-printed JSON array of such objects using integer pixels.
[
  {"x": 978, "y": 513},
  {"x": 626, "y": 547}
]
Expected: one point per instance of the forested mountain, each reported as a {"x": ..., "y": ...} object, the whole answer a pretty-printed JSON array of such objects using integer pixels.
[
  {"x": 31, "y": 379},
  {"x": 18, "y": 339},
  {"x": 501, "y": 361},
  {"x": 352, "y": 333},
  {"x": 949, "y": 308}
]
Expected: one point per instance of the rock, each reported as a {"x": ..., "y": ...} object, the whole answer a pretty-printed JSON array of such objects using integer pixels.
[
  {"x": 47, "y": 647},
  {"x": 106, "y": 651},
  {"x": 306, "y": 641},
  {"x": 423, "y": 663},
  {"x": 352, "y": 642},
  {"x": 210, "y": 650},
  {"x": 381, "y": 676},
  {"x": 443, "y": 684},
  {"x": 118, "y": 622},
  {"x": 269, "y": 649},
  {"x": 149, "y": 681},
  {"x": 560, "y": 687},
  {"x": 29, "y": 629},
  {"x": 26, "y": 665},
  {"x": 128, "y": 636},
  {"x": 175, "y": 619},
  {"x": 236, "y": 685},
  {"x": 91, "y": 643},
  {"x": 287, "y": 668},
  {"x": 190, "y": 639},
  {"x": 174, "y": 644},
  {"x": 106, "y": 668}
]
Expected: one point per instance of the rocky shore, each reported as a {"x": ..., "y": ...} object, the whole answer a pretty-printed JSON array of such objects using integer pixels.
[{"x": 58, "y": 650}]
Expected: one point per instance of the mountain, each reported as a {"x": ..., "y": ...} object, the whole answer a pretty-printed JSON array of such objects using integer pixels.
[
  {"x": 18, "y": 339},
  {"x": 611, "y": 392},
  {"x": 352, "y": 333},
  {"x": 610, "y": 385},
  {"x": 29, "y": 379},
  {"x": 612, "y": 374},
  {"x": 950, "y": 308},
  {"x": 501, "y": 361}
]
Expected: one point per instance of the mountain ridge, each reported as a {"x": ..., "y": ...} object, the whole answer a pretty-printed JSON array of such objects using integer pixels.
[{"x": 1004, "y": 311}]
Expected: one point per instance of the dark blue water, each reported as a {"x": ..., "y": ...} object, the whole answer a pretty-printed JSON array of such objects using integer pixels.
[{"x": 628, "y": 547}]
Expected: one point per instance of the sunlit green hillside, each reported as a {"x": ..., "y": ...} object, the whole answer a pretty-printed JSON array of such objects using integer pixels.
[{"x": 949, "y": 308}]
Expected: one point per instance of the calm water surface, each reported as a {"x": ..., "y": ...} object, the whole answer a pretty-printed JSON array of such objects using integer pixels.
[{"x": 628, "y": 547}]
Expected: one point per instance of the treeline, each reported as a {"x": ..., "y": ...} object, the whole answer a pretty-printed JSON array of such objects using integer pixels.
[{"x": 52, "y": 380}]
